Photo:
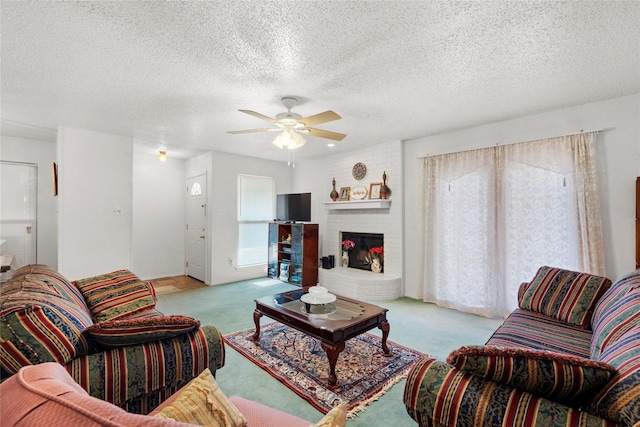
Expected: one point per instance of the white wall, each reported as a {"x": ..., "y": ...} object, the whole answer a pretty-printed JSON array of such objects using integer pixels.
[
  {"x": 42, "y": 153},
  {"x": 619, "y": 164},
  {"x": 311, "y": 177},
  {"x": 222, "y": 170},
  {"x": 95, "y": 180},
  {"x": 159, "y": 216}
]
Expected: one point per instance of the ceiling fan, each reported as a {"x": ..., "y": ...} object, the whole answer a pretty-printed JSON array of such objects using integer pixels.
[{"x": 292, "y": 125}]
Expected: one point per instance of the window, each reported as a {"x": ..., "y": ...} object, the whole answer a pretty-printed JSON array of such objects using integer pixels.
[
  {"x": 492, "y": 217},
  {"x": 196, "y": 190},
  {"x": 255, "y": 210}
]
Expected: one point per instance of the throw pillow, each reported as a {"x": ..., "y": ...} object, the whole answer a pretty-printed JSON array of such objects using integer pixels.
[
  {"x": 114, "y": 295},
  {"x": 203, "y": 403},
  {"x": 565, "y": 295},
  {"x": 54, "y": 279},
  {"x": 284, "y": 272},
  {"x": 558, "y": 377},
  {"x": 119, "y": 333},
  {"x": 617, "y": 312},
  {"x": 38, "y": 325},
  {"x": 337, "y": 417},
  {"x": 619, "y": 400},
  {"x": 522, "y": 289}
]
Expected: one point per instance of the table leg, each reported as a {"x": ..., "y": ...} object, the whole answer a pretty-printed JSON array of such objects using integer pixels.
[
  {"x": 256, "y": 319},
  {"x": 384, "y": 327},
  {"x": 332, "y": 354}
]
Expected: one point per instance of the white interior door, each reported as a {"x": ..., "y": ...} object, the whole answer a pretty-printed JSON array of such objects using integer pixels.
[
  {"x": 196, "y": 227},
  {"x": 18, "y": 213}
]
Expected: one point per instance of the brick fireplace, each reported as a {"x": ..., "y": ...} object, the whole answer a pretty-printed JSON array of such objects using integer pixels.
[
  {"x": 386, "y": 223},
  {"x": 367, "y": 228},
  {"x": 364, "y": 216}
]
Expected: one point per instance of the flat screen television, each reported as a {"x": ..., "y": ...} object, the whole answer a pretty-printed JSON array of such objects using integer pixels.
[{"x": 293, "y": 207}]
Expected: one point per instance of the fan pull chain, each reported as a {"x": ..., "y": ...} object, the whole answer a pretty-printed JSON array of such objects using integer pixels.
[{"x": 291, "y": 161}]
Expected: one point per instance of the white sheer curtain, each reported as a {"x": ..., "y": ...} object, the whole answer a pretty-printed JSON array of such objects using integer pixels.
[{"x": 491, "y": 217}]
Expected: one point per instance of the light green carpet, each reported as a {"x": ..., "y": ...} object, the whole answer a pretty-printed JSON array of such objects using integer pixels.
[{"x": 421, "y": 326}]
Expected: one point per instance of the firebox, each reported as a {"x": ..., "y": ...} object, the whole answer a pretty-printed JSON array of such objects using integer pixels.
[{"x": 359, "y": 256}]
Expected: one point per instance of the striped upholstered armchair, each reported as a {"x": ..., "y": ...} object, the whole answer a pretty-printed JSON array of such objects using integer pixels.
[
  {"x": 568, "y": 356},
  {"x": 106, "y": 332}
]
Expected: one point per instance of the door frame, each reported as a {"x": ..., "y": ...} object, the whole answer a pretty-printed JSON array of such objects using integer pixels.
[{"x": 207, "y": 225}]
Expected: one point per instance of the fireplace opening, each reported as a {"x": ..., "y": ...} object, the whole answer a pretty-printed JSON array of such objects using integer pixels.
[{"x": 359, "y": 256}]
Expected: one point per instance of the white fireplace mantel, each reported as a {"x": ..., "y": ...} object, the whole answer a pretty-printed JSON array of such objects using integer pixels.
[{"x": 359, "y": 204}]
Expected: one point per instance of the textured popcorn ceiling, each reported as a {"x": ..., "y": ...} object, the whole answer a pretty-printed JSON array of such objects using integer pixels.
[{"x": 175, "y": 73}]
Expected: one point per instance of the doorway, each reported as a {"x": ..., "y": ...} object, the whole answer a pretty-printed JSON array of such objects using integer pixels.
[
  {"x": 196, "y": 227},
  {"x": 18, "y": 216}
]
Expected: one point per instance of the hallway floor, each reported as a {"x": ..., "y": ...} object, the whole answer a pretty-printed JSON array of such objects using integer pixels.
[{"x": 169, "y": 285}]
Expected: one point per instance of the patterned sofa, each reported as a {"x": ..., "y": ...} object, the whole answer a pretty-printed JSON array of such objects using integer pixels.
[
  {"x": 106, "y": 332},
  {"x": 569, "y": 355}
]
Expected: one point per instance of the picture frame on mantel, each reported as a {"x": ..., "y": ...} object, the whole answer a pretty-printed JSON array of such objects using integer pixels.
[
  {"x": 374, "y": 190},
  {"x": 345, "y": 193}
]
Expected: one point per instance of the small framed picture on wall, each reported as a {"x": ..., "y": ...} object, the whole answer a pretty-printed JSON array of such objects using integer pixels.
[
  {"x": 374, "y": 190},
  {"x": 345, "y": 193},
  {"x": 54, "y": 178}
]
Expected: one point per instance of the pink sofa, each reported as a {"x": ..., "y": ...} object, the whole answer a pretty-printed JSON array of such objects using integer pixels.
[{"x": 45, "y": 394}]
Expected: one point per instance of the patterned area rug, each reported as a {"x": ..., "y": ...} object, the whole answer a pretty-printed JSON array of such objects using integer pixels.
[{"x": 297, "y": 360}]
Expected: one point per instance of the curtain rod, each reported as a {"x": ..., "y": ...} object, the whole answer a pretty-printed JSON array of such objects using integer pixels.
[{"x": 520, "y": 142}]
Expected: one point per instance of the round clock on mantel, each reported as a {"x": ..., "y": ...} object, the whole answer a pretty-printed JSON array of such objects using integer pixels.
[{"x": 359, "y": 171}]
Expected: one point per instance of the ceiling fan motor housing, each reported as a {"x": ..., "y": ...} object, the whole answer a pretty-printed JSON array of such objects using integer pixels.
[{"x": 288, "y": 118}]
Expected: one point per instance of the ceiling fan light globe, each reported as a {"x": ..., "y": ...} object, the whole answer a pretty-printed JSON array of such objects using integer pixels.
[
  {"x": 278, "y": 143},
  {"x": 297, "y": 141},
  {"x": 287, "y": 138},
  {"x": 284, "y": 139}
]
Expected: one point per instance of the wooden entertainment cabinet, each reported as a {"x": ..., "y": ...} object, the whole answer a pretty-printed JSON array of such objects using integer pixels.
[{"x": 293, "y": 247}]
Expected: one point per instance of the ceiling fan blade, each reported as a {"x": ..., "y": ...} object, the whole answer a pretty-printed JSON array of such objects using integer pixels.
[
  {"x": 252, "y": 130},
  {"x": 258, "y": 115},
  {"x": 327, "y": 116},
  {"x": 326, "y": 134}
]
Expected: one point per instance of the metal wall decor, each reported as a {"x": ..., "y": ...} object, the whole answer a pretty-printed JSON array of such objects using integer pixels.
[{"x": 359, "y": 171}]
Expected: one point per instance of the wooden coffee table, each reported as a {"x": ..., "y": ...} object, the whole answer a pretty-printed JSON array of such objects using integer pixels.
[{"x": 333, "y": 324}]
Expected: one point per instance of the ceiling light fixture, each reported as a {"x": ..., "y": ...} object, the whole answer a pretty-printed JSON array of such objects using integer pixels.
[
  {"x": 162, "y": 156},
  {"x": 289, "y": 139}
]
